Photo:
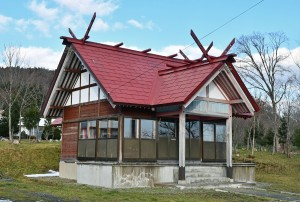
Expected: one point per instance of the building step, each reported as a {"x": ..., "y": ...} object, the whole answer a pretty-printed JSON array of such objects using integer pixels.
[
  {"x": 205, "y": 172},
  {"x": 208, "y": 180}
]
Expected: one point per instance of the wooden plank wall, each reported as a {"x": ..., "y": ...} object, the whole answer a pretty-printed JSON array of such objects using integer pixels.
[{"x": 75, "y": 114}]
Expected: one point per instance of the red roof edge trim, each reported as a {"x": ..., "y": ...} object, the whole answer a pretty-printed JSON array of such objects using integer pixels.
[
  {"x": 203, "y": 82},
  {"x": 94, "y": 76},
  {"x": 244, "y": 88}
]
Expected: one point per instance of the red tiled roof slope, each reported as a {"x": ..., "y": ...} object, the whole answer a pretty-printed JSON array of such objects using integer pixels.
[{"x": 132, "y": 77}]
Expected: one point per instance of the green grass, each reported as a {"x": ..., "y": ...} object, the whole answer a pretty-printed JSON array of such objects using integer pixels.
[
  {"x": 281, "y": 172},
  {"x": 29, "y": 158}
]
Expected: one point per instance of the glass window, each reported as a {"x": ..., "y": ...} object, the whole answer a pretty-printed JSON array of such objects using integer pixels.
[
  {"x": 148, "y": 129},
  {"x": 192, "y": 129},
  {"x": 113, "y": 126},
  {"x": 103, "y": 128},
  {"x": 208, "y": 132},
  {"x": 102, "y": 95},
  {"x": 75, "y": 97},
  {"x": 167, "y": 129},
  {"x": 92, "y": 131},
  {"x": 83, "y": 130},
  {"x": 197, "y": 106},
  {"x": 108, "y": 128},
  {"x": 220, "y": 133},
  {"x": 87, "y": 130},
  {"x": 131, "y": 127},
  {"x": 84, "y": 97},
  {"x": 85, "y": 79},
  {"x": 218, "y": 107},
  {"x": 94, "y": 93}
]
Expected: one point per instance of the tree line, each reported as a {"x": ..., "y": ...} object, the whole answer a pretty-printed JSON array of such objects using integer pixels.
[{"x": 22, "y": 91}]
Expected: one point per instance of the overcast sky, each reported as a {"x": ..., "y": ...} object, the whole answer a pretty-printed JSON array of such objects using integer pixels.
[{"x": 164, "y": 25}]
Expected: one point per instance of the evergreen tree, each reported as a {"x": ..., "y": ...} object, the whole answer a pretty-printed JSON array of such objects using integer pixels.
[
  {"x": 282, "y": 130},
  {"x": 31, "y": 117},
  {"x": 296, "y": 140}
]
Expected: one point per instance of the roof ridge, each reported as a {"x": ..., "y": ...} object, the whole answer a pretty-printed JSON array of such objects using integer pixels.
[{"x": 68, "y": 40}]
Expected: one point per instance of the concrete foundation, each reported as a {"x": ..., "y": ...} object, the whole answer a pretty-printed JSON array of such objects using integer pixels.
[
  {"x": 126, "y": 175},
  {"x": 244, "y": 172},
  {"x": 68, "y": 170}
]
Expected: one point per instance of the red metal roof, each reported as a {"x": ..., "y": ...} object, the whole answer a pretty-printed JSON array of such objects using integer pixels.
[
  {"x": 139, "y": 78},
  {"x": 132, "y": 77}
]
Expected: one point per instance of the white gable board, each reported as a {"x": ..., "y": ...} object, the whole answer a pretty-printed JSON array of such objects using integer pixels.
[{"x": 214, "y": 92}]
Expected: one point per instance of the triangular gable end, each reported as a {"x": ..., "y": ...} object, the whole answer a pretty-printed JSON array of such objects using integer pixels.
[
  {"x": 220, "y": 91},
  {"x": 72, "y": 84}
]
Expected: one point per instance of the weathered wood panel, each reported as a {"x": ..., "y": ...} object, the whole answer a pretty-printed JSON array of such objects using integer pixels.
[
  {"x": 71, "y": 113},
  {"x": 69, "y": 141},
  {"x": 106, "y": 109},
  {"x": 89, "y": 110}
]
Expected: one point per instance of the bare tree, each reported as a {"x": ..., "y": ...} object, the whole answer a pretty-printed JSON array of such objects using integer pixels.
[
  {"x": 288, "y": 107},
  {"x": 27, "y": 94},
  {"x": 10, "y": 80},
  {"x": 260, "y": 67}
]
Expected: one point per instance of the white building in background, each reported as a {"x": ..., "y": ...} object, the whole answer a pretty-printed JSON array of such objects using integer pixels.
[{"x": 37, "y": 131}]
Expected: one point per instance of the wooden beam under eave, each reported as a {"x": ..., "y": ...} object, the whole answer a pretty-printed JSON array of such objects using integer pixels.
[
  {"x": 64, "y": 89},
  {"x": 83, "y": 87},
  {"x": 56, "y": 107},
  {"x": 77, "y": 71},
  {"x": 237, "y": 101}
]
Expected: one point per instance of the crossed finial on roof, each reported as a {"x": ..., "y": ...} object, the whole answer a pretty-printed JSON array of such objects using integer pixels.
[
  {"x": 86, "y": 36},
  {"x": 205, "y": 51}
]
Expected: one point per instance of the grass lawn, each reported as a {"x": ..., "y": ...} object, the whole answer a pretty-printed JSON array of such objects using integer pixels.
[
  {"x": 281, "y": 172},
  {"x": 30, "y": 158}
]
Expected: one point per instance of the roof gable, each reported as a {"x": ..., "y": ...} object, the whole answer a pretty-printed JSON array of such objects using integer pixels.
[{"x": 130, "y": 77}]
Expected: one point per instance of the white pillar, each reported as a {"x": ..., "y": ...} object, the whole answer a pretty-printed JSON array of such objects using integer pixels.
[
  {"x": 229, "y": 143},
  {"x": 181, "y": 173}
]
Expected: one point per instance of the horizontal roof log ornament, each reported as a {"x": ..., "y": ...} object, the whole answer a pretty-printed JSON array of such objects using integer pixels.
[
  {"x": 75, "y": 89},
  {"x": 174, "y": 68},
  {"x": 146, "y": 50},
  {"x": 237, "y": 101},
  {"x": 172, "y": 56},
  {"x": 119, "y": 44},
  {"x": 190, "y": 61}
]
